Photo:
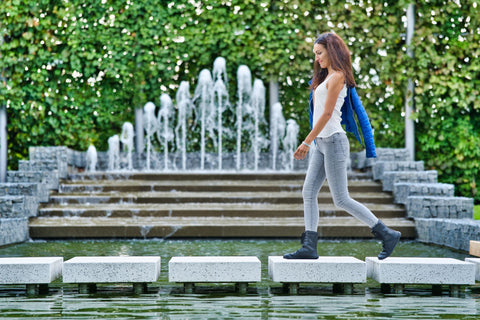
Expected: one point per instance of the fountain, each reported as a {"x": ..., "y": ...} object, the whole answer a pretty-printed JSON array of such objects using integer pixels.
[
  {"x": 126, "y": 138},
  {"x": 277, "y": 130},
  {"x": 244, "y": 90},
  {"x": 185, "y": 107},
  {"x": 91, "y": 159},
  {"x": 258, "y": 112},
  {"x": 290, "y": 143},
  {"x": 204, "y": 97},
  {"x": 113, "y": 153},
  {"x": 221, "y": 102},
  {"x": 175, "y": 127},
  {"x": 150, "y": 124},
  {"x": 220, "y": 70},
  {"x": 164, "y": 130}
]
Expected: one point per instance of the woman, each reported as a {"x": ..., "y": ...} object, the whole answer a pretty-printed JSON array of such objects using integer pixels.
[{"x": 330, "y": 148}]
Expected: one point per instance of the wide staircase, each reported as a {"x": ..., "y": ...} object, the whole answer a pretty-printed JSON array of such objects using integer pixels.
[{"x": 216, "y": 205}]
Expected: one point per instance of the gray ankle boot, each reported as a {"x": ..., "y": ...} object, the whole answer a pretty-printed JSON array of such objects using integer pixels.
[
  {"x": 389, "y": 239},
  {"x": 308, "y": 250}
]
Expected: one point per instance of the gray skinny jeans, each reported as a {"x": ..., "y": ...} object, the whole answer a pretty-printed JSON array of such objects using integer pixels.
[{"x": 329, "y": 160}]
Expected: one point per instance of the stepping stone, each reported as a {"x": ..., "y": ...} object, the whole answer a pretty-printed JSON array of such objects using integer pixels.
[
  {"x": 434, "y": 271},
  {"x": 191, "y": 270},
  {"x": 35, "y": 272},
  {"x": 88, "y": 271},
  {"x": 476, "y": 262},
  {"x": 343, "y": 272},
  {"x": 474, "y": 248}
]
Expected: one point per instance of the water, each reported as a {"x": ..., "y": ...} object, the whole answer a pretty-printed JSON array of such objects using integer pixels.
[
  {"x": 244, "y": 90},
  {"x": 150, "y": 125},
  {"x": 185, "y": 109},
  {"x": 91, "y": 159},
  {"x": 126, "y": 138},
  {"x": 264, "y": 300},
  {"x": 113, "y": 153},
  {"x": 277, "y": 130},
  {"x": 290, "y": 143},
  {"x": 164, "y": 128}
]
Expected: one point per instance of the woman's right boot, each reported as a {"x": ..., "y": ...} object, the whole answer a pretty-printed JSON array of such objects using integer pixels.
[{"x": 309, "y": 247}]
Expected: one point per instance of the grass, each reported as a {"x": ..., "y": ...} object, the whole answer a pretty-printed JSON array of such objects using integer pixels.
[{"x": 476, "y": 212}]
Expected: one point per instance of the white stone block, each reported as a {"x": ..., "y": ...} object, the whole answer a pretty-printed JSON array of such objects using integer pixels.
[
  {"x": 214, "y": 269},
  {"x": 322, "y": 270},
  {"x": 406, "y": 270},
  {"x": 30, "y": 270},
  {"x": 476, "y": 262},
  {"x": 111, "y": 269}
]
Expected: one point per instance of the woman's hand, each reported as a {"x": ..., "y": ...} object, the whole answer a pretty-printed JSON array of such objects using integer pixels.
[{"x": 301, "y": 152}]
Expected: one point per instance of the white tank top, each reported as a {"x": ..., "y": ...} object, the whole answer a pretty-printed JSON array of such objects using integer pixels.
[{"x": 333, "y": 125}]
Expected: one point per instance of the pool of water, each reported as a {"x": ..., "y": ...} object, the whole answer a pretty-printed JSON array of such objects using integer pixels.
[{"x": 264, "y": 300}]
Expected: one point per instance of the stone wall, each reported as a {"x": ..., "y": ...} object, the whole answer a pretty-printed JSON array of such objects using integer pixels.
[
  {"x": 31, "y": 184},
  {"x": 440, "y": 217},
  {"x": 454, "y": 233}
]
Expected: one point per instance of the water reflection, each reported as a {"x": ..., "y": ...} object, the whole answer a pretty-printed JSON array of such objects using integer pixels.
[{"x": 264, "y": 300}]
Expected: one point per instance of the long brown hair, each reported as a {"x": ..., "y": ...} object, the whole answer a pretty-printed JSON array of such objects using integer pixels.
[{"x": 339, "y": 58}]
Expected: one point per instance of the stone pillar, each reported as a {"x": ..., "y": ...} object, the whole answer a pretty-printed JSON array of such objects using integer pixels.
[
  {"x": 409, "y": 101},
  {"x": 3, "y": 144}
]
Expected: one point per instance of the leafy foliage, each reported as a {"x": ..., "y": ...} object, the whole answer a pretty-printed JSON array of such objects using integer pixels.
[{"x": 75, "y": 70}]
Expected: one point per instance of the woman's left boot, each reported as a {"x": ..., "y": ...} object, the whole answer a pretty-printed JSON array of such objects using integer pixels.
[
  {"x": 309, "y": 247},
  {"x": 389, "y": 239}
]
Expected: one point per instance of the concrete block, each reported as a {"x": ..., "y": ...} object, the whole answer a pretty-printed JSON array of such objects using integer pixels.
[
  {"x": 476, "y": 262},
  {"x": 321, "y": 270},
  {"x": 111, "y": 269},
  {"x": 407, "y": 270},
  {"x": 214, "y": 269},
  {"x": 27, "y": 270}
]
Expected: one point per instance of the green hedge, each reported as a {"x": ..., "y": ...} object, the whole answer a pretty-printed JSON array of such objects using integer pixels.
[{"x": 77, "y": 69}]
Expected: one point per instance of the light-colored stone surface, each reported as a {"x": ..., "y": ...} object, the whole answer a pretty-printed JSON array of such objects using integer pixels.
[
  {"x": 30, "y": 270},
  {"x": 474, "y": 248},
  {"x": 476, "y": 262},
  {"x": 322, "y": 270},
  {"x": 111, "y": 269},
  {"x": 214, "y": 269},
  {"x": 406, "y": 270}
]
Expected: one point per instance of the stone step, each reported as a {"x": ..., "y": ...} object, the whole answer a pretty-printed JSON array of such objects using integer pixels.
[
  {"x": 412, "y": 270},
  {"x": 220, "y": 209},
  {"x": 203, "y": 186},
  {"x": 208, "y": 197},
  {"x": 88, "y": 271},
  {"x": 340, "y": 270},
  {"x": 204, "y": 175},
  {"x": 226, "y": 227},
  {"x": 195, "y": 269}
]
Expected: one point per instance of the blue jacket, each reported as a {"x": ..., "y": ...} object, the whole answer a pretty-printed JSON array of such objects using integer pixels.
[{"x": 353, "y": 107}]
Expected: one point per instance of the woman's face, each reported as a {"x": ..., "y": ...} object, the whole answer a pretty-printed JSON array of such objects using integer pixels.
[{"x": 321, "y": 55}]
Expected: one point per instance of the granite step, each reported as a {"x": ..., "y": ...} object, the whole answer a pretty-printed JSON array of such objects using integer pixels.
[
  {"x": 99, "y": 186},
  {"x": 204, "y": 175},
  {"x": 207, "y": 209},
  {"x": 283, "y": 197},
  {"x": 201, "y": 227}
]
